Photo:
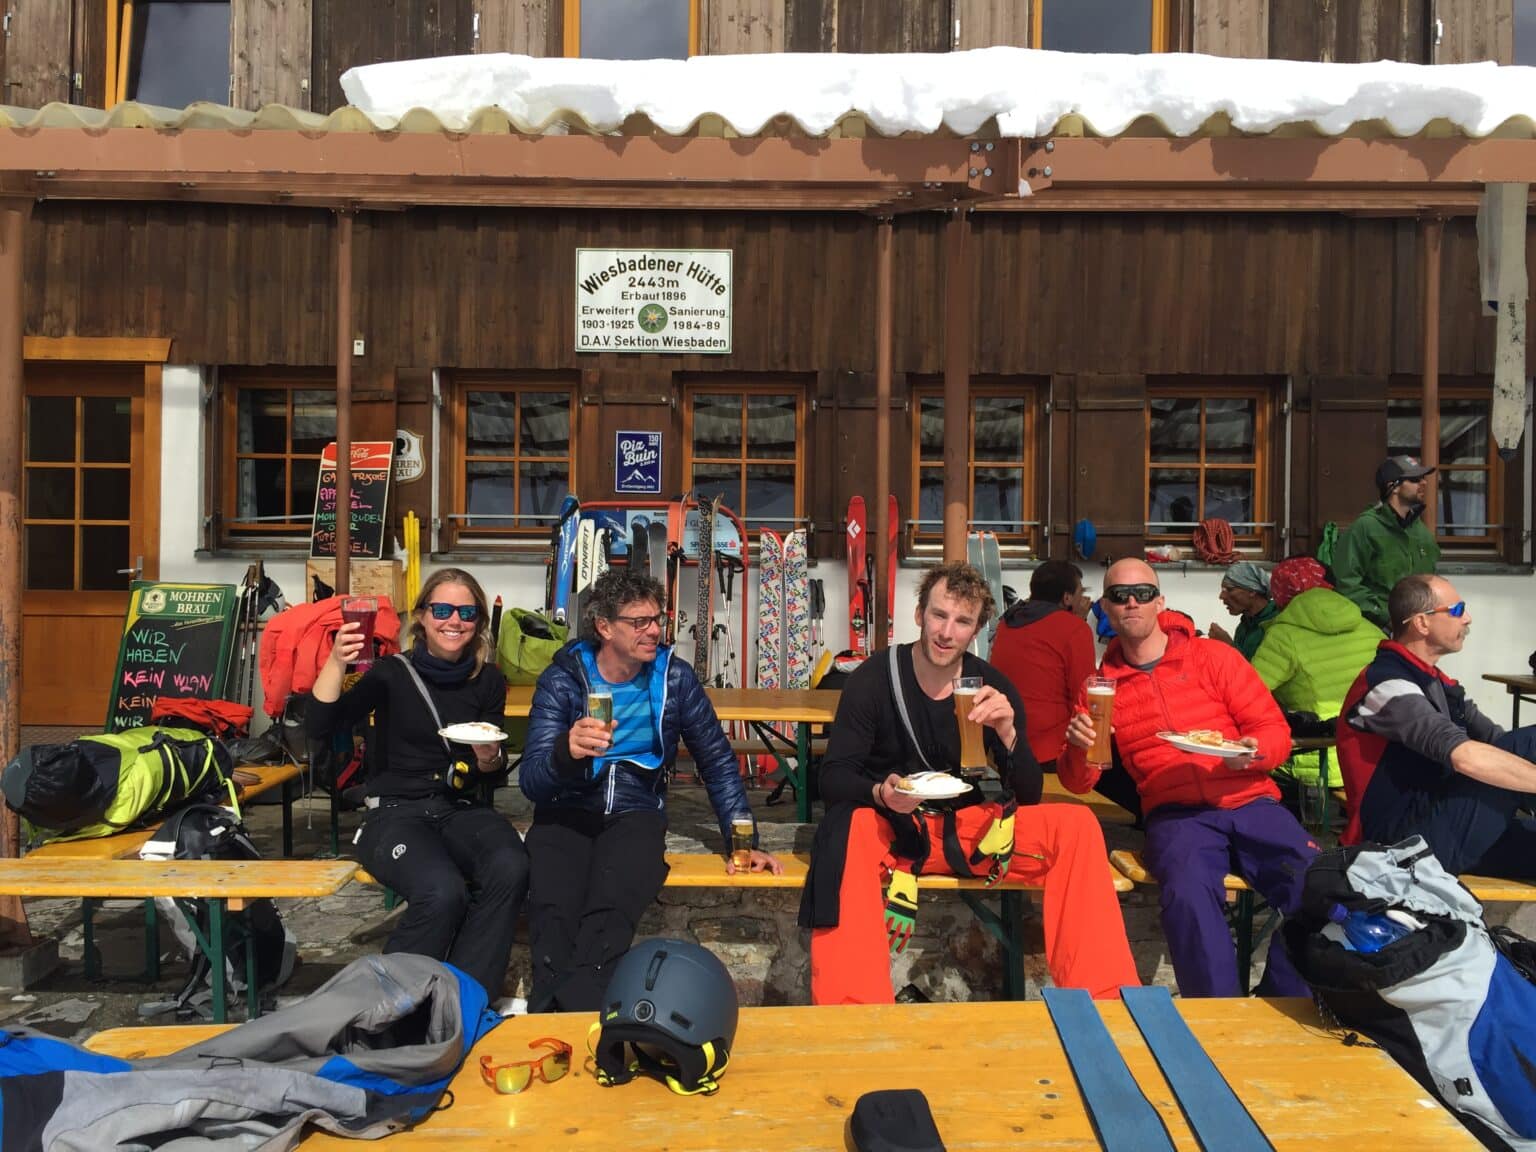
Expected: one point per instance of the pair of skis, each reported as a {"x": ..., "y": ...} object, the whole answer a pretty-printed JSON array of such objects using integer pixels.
[
  {"x": 861, "y": 578},
  {"x": 1122, "y": 1117},
  {"x": 983, "y": 553},
  {"x": 784, "y": 611}
]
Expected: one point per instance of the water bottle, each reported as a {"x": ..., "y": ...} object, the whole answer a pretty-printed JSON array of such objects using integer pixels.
[{"x": 1373, "y": 931}]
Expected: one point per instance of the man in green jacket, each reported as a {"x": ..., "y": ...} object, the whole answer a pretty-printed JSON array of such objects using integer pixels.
[{"x": 1388, "y": 541}]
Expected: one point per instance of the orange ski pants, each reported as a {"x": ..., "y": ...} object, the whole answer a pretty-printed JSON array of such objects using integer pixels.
[{"x": 1057, "y": 846}]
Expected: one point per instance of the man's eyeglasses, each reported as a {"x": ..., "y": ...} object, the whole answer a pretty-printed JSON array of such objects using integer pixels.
[
  {"x": 441, "y": 611},
  {"x": 1125, "y": 593},
  {"x": 641, "y": 623},
  {"x": 510, "y": 1079},
  {"x": 1456, "y": 610}
]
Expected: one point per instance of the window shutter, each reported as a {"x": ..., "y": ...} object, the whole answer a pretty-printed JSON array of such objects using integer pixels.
[{"x": 1349, "y": 437}]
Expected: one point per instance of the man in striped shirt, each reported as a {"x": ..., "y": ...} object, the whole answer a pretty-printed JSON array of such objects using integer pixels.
[{"x": 1418, "y": 757}]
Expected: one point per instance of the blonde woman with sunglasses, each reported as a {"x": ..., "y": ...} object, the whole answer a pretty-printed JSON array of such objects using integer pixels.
[{"x": 429, "y": 831}]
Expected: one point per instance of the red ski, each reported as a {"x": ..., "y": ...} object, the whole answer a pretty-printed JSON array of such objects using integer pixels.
[{"x": 858, "y": 581}]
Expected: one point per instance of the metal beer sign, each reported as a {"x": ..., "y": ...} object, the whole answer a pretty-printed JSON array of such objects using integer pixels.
[{"x": 653, "y": 300}]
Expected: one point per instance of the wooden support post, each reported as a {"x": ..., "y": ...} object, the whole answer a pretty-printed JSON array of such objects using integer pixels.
[
  {"x": 883, "y": 556},
  {"x": 14, "y": 215},
  {"x": 1433, "y": 229},
  {"x": 343, "y": 401},
  {"x": 957, "y": 385}
]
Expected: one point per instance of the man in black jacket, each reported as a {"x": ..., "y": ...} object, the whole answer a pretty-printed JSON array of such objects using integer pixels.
[{"x": 876, "y": 827}]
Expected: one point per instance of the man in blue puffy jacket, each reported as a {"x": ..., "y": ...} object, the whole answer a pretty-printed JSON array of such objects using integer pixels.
[{"x": 597, "y": 847}]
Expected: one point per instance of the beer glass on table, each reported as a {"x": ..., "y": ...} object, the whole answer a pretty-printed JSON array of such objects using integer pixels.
[
  {"x": 1101, "y": 710},
  {"x": 361, "y": 610},
  {"x": 742, "y": 828},
  {"x": 973, "y": 752}
]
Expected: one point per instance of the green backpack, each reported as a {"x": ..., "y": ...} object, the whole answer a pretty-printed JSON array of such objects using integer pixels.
[{"x": 528, "y": 644}]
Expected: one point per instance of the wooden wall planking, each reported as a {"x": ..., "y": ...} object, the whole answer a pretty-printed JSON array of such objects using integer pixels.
[
  {"x": 739, "y": 26},
  {"x": 90, "y": 52},
  {"x": 987, "y": 23},
  {"x": 810, "y": 26},
  {"x": 1349, "y": 31},
  {"x": 348, "y": 34},
  {"x": 526, "y": 27},
  {"x": 38, "y": 53},
  {"x": 1232, "y": 28},
  {"x": 270, "y": 49},
  {"x": 880, "y": 26},
  {"x": 1475, "y": 30}
]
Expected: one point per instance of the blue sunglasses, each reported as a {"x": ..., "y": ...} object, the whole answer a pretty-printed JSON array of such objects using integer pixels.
[
  {"x": 441, "y": 611},
  {"x": 1457, "y": 610}
]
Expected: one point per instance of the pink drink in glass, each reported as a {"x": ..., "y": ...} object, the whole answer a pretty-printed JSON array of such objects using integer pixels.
[{"x": 361, "y": 610}]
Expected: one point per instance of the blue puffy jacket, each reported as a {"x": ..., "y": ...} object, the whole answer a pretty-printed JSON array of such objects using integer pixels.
[{"x": 549, "y": 775}]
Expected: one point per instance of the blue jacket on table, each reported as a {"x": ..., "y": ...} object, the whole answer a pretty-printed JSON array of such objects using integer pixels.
[{"x": 549, "y": 775}]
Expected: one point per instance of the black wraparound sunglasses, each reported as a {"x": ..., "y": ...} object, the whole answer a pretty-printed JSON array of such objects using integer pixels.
[{"x": 1125, "y": 593}]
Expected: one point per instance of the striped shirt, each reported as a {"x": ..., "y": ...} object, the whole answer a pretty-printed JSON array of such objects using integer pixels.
[{"x": 636, "y": 734}]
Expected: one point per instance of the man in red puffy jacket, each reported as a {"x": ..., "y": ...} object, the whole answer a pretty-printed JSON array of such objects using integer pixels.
[{"x": 1206, "y": 815}]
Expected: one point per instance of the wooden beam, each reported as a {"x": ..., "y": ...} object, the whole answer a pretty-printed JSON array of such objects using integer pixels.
[
  {"x": 957, "y": 385},
  {"x": 100, "y": 349},
  {"x": 1432, "y": 229},
  {"x": 884, "y": 294},
  {"x": 343, "y": 402}
]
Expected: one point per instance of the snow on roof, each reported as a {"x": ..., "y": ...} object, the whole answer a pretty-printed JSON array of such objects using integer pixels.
[{"x": 1024, "y": 92}]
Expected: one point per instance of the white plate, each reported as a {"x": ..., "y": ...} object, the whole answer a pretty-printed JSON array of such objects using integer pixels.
[
  {"x": 934, "y": 786},
  {"x": 475, "y": 732},
  {"x": 1227, "y": 751}
]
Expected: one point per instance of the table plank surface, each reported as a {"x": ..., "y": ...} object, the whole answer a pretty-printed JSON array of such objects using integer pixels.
[
  {"x": 233, "y": 879},
  {"x": 794, "y": 706},
  {"x": 698, "y": 870},
  {"x": 993, "y": 1072},
  {"x": 1513, "y": 682}
]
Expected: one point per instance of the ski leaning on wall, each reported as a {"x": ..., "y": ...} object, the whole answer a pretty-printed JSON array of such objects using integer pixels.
[
  {"x": 797, "y": 612},
  {"x": 565, "y": 557},
  {"x": 770, "y": 610},
  {"x": 704, "y": 617},
  {"x": 858, "y": 624},
  {"x": 983, "y": 554}
]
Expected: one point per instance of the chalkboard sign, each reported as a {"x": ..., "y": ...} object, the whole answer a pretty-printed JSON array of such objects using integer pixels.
[
  {"x": 372, "y": 465},
  {"x": 176, "y": 642}
]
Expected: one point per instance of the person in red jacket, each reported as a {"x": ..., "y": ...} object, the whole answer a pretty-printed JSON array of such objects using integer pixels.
[{"x": 1205, "y": 815}]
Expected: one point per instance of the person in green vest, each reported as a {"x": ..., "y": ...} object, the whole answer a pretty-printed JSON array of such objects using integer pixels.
[
  {"x": 1245, "y": 592},
  {"x": 1314, "y": 649},
  {"x": 1389, "y": 540}
]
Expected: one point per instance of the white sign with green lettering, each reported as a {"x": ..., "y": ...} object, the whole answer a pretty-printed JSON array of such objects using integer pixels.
[{"x": 653, "y": 300}]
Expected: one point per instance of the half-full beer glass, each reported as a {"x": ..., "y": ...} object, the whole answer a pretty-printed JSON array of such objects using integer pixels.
[
  {"x": 973, "y": 752},
  {"x": 1101, "y": 710}
]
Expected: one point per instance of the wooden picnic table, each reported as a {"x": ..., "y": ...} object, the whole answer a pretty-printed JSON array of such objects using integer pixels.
[
  {"x": 1520, "y": 687},
  {"x": 994, "y": 1074}
]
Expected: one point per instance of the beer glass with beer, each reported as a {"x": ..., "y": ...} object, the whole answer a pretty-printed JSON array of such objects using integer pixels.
[
  {"x": 600, "y": 705},
  {"x": 973, "y": 753},
  {"x": 363, "y": 610},
  {"x": 741, "y": 841},
  {"x": 1100, "y": 691}
]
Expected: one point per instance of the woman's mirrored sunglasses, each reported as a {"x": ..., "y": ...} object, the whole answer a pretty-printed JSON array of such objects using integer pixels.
[
  {"x": 441, "y": 611},
  {"x": 1124, "y": 593}
]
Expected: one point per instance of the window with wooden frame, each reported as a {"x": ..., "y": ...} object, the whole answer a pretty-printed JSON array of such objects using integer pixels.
[
  {"x": 632, "y": 29},
  {"x": 1209, "y": 456},
  {"x": 744, "y": 442},
  {"x": 1525, "y": 32},
  {"x": 274, "y": 428},
  {"x": 1131, "y": 26},
  {"x": 512, "y": 461},
  {"x": 1000, "y": 463},
  {"x": 1468, "y": 488},
  {"x": 168, "y": 52}
]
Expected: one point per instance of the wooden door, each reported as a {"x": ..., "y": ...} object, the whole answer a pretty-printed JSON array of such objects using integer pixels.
[{"x": 90, "y": 517}]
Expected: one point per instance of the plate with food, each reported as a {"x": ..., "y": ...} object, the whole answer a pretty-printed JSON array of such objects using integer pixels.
[
  {"x": 1207, "y": 742},
  {"x": 474, "y": 732},
  {"x": 933, "y": 785}
]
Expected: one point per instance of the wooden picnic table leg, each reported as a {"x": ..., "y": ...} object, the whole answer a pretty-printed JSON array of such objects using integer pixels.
[
  {"x": 215, "y": 944},
  {"x": 252, "y": 992},
  {"x": 151, "y": 941}
]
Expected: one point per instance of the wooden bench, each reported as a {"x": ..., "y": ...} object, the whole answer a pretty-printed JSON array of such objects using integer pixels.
[
  {"x": 705, "y": 870},
  {"x": 225, "y": 884}
]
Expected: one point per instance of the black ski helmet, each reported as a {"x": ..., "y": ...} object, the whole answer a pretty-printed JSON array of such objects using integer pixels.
[{"x": 673, "y": 1003}]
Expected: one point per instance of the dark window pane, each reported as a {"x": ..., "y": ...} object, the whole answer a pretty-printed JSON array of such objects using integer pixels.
[
  {"x": 634, "y": 29},
  {"x": 1404, "y": 428},
  {"x": 930, "y": 499},
  {"x": 771, "y": 431},
  {"x": 262, "y": 423},
  {"x": 1464, "y": 431},
  {"x": 999, "y": 428},
  {"x": 1096, "y": 25},
  {"x": 306, "y": 478},
  {"x": 770, "y": 496},
  {"x": 103, "y": 550},
  {"x": 1462, "y": 500},
  {"x": 262, "y": 491},
  {"x": 1175, "y": 429},
  {"x": 314, "y": 422},
  {"x": 488, "y": 491},
  {"x": 50, "y": 494},
  {"x": 492, "y": 422},
  {"x": 1525, "y": 32},
  {"x": 540, "y": 489},
  {"x": 723, "y": 480},
  {"x": 545, "y": 427},
  {"x": 106, "y": 427},
  {"x": 716, "y": 425},
  {"x": 185, "y": 53},
  {"x": 998, "y": 500},
  {"x": 1229, "y": 431},
  {"x": 1229, "y": 495},
  {"x": 50, "y": 556},
  {"x": 50, "y": 429},
  {"x": 1172, "y": 496},
  {"x": 105, "y": 494}
]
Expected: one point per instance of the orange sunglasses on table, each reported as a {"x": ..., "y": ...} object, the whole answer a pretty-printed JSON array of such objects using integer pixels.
[{"x": 512, "y": 1078}]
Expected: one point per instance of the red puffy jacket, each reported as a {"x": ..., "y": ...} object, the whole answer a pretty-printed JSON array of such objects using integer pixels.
[
  {"x": 1197, "y": 684},
  {"x": 297, "y": 642}
]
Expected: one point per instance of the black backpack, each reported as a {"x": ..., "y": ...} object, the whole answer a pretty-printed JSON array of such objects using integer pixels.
[{"x": 208, "y": 832}]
